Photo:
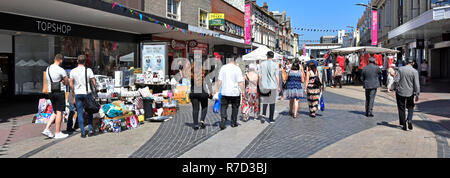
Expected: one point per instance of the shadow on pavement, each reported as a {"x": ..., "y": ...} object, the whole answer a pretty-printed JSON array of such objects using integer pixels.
[
  {"x": 358, "y": 112},
  {"x": 16, "y": 108},
  {"x": 435, "y": 107},
  {"x": 384, "y": 123},
  {"x": 428, "y": 125}
]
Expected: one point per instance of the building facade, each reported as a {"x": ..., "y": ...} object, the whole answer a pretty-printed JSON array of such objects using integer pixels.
[
  {"x": 264, "y": 25},
  {"x": 420, "y": 29}
]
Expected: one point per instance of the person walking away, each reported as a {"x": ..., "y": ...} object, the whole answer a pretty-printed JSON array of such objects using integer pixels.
[
  {"x": 269, "y": 85},
  {"x": 390, "y": 78},
  {"x": 72, "y": 109},
  {"x": 294, "y": 90},
  {"x": 55, "y": 76},
  {"x": 199, "y": 96},
  {"x": 371, "y": 79},
  {"x": 338, "y": 77},
  {"x": 82, "y": 90},
  {"x": 408, "y": 91},
  {"x": 232, "y": 83},
  {"x": 283, "y": 76},
  {"x": 313, "y": 88},
  {"x": 424, "y": 71},
  {"x": 251, "y": 100}
]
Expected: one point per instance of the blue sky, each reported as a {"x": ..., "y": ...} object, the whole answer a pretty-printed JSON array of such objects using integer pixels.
[{"x": 318, "y": 14}]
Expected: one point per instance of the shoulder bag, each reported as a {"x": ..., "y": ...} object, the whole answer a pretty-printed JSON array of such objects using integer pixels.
[
  {"x": 54, "y": 86},
  {"x": 91, "y": 106}
]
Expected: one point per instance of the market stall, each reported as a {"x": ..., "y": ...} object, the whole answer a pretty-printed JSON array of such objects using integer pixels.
[
  {"x": 131, "y": 95},
  {"x": 260, "y": 54}
]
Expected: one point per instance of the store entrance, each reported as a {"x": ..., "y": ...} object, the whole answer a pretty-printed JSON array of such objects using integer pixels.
[{"x": 6, "y": 75}]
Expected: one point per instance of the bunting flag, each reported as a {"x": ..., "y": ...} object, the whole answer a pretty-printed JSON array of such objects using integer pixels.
[{"x": 114, "y": 5}]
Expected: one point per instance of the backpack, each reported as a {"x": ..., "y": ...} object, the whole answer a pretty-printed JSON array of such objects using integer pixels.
[{"x": 338, "y": 71}]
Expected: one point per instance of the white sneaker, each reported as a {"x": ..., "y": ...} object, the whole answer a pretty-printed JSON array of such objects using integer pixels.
[
  {"x": 48, "y": 133},
  {"x": 61, "y": 135}
]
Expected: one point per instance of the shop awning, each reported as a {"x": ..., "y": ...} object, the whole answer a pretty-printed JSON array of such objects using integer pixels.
[
  {"x": 429, "y": 25},
  {"x": 97, "y": 14},
  {"x": 127, "y": 58}
]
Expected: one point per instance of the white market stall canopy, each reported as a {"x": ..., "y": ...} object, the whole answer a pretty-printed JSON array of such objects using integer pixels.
[
  {"x": 260, "y": 54},
  {"x": 127, "y": 58},
  {"x": 304, "y": 58},
  {"x": 368, "y": 49}
]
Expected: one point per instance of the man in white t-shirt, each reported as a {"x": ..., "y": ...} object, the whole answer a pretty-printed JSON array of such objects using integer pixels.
[
  {"x": 231, "y": 82},
  {"x": 78, "y": 82},
  {"x": 58, "y": 77}
]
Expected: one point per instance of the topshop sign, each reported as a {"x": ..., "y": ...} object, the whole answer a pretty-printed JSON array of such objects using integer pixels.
[{"x": 51, "y": 27}]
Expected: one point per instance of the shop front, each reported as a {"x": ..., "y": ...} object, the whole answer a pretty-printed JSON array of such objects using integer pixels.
[
  {"x": 118, "y": 46},
  {"x": 30, "y": 45}
]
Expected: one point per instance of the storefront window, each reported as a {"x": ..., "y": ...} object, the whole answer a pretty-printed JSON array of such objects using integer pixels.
[{"x": 35, "y": 52}]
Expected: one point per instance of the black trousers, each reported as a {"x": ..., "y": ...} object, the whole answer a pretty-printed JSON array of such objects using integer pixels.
[
  {"x": 370, "y": 100},
  {"x": 235, "y": 102},
  {"x": 272, "y": 111},
  {"x": 404, "y": 103},
  {"x": 338, "y": 80},
  {"x": 197, "y": 100}
]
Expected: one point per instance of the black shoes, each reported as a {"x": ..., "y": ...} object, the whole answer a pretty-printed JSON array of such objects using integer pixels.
[
  {"x": 369, "y": 115},
  {"x": 222, "y": 124},
  {"x": 202, "y": 125},
  {"x": 234, "y": 125},
  {"x": 91, "y": 134},
  {"x": 83, "y": 135},
  {"x": 404, "y": 127},
  {"x": 410, "y": 126},
  {"x": 196, "y": 127}
]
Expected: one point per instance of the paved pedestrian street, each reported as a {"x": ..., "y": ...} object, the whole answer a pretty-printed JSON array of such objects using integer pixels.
[{"x": 341, "y": 131}]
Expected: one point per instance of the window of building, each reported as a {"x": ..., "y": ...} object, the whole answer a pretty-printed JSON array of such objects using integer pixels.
[
  {"x": 173, "y": 9},
  {"x": 35, "y": 52},
  {"x": 203, "y": 18}
]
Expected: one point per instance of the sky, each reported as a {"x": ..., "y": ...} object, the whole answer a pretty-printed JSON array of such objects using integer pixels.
[{"x": 318, "y": 14}]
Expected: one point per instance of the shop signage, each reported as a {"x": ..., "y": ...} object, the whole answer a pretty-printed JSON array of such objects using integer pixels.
[
  {"x": 192, "y": 43},
  {"x": 374, "y": 27},
  {"x": 45, "y": 26},
  {"x": 201, "y": 47},
  {"x": 216, "y": 19},
  {"x": 248, "y": 23}
]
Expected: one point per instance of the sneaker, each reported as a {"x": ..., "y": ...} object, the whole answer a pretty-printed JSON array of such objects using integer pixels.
[
  {"x": 60, "y": 135},
  {"x": 48, "y": 133}
]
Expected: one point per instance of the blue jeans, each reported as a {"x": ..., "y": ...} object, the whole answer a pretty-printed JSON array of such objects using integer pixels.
[{"x": 79, "y": 99}]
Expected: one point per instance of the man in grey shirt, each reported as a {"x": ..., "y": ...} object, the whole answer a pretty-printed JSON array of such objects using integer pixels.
[
  {"x": 370, "y": 76},
  {"x": 408, "y": 87}
]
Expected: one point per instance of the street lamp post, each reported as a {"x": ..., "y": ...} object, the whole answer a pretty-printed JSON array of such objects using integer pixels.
[{"x": 373, "y": 8}]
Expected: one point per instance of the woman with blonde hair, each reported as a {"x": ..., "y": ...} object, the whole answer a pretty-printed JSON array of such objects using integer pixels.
[{"x": 251, "y": 100}]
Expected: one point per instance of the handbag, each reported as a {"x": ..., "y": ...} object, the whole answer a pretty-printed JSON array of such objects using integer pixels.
[
  {"x": 91, "y": 106},
  {"x": 322, "y": 103},
  {"x": 54, "y": 86},
  {"x": 216, "y": 107}
]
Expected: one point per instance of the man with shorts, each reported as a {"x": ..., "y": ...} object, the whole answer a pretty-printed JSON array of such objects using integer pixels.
[{"x": 56, "y": 74}]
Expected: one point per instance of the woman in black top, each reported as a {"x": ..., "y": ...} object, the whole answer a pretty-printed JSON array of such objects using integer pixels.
[{"x": 199, "y": 95}]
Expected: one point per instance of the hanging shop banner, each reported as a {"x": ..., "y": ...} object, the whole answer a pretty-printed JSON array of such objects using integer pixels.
[
  {"x": 154, "y": 57},
  {"x": 248, "y": 24},
  {"x": 374, "y": 28},
  {"x": 304, "y": 49},
  {"x": 216, "y": 19}
]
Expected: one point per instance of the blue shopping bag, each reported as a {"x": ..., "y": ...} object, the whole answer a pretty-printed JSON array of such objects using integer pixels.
[
  {"x": 216, "y": 107},
  {"x": 322, "y": 103}
]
